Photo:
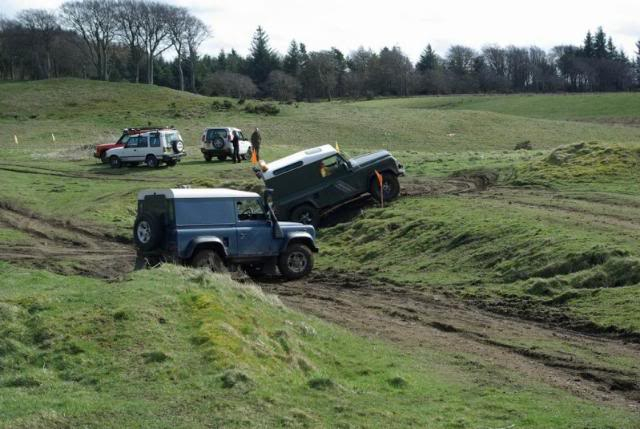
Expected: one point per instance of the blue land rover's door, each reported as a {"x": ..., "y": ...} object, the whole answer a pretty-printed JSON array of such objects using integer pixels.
[{"x": 254, "y": 231}]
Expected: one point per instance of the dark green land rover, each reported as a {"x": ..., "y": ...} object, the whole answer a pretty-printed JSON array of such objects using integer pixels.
[{"x": 307, "y": 184}]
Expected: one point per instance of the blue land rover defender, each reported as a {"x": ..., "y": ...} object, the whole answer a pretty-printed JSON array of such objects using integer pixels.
[{"x": 219, "y": 228}]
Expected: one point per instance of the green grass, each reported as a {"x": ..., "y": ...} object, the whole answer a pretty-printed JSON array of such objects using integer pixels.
[
  {"x": 600, "y": 107},
  {"x": 198, "y": 349},
  {"x": 177, "y": 348}
]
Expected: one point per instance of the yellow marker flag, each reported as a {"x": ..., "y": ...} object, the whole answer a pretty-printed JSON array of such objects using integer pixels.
[
  {"x": 337, "y": 148},
  {"x": 15, "y": 138},
  {"x": 380, "y": 182},
  {"x": 254, "y": 157}
]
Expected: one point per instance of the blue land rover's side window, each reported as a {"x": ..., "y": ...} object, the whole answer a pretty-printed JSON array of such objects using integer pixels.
[{"x": 204, "y": 211}]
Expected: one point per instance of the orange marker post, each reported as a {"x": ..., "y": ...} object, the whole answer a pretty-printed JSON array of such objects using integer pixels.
[{"x": 380, "y": 182}]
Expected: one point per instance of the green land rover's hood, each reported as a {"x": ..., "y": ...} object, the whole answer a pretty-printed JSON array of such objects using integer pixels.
[{"x": 364, "y": 160}]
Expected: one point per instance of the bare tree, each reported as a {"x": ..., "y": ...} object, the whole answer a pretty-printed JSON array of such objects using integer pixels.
[
  {"x": 130, "y": 31},
  {"x": 155, "y": 32},
  {"x": 177, "y": 22},
  {"x": 282, "y": 86},
  {"x": 42, "y": 26},
  {"x": 96, "y": 22},
  {"x": 319, "y": 75},
  {"x": 197, "y": 32},
  {"x": 229, "y": 84}
]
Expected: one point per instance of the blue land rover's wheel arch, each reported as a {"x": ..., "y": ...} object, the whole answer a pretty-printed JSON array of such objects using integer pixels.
[{"x": 205, "y": 243}]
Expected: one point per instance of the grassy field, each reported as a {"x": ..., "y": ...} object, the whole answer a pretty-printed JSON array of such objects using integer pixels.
[
  {"x": 200, "y": 350},
  {"x": 554, "y": 239}
]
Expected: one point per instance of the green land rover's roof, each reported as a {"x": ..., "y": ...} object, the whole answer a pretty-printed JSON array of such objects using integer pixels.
[
  {"x": 306, "y": 157},
  {"x": 197, "y": 193}
]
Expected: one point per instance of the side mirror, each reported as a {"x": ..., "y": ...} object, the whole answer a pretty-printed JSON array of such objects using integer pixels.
[{"x": 268, "y": 197}]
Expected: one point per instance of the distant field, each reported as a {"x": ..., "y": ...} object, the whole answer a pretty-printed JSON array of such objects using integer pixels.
[
  {"x": 599, "y": 107},
  {"x": 81, "y": 112}
]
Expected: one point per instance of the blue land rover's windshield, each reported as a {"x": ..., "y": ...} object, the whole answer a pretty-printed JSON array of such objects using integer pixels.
[{"x": 204, "y": 211}]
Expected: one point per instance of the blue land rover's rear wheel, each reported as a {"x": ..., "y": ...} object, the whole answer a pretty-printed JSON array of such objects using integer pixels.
[
  {"x": 208, "y": 258},
  {"x": 295, "y": 262}
]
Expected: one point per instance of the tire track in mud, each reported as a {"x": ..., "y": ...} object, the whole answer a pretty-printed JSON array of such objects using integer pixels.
[
  {"x": 415, "y": 319},
  {"x": 27, "y": 169},
  {"x": 63, "y": 247}
]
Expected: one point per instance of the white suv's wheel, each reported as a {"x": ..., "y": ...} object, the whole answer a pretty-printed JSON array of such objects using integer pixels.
[
  {"x": 152, "y": 161},
  {"x": 115, "y": 161}
]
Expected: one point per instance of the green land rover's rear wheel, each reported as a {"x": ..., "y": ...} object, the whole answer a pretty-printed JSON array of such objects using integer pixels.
[
  {"x": 306, "y": 214},
  {"x": 208, "y": 258},
  {"x": 295, "y": 262}
]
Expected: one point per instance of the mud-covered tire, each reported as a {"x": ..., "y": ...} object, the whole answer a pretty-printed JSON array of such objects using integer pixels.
[
  {"x": 207, "y": 157},
  {"x": 152, "y": 161},
  {"x": 218, "y": 143},
  {"x": 222, "y": 157},
  {"x": 208, "y": 258},
  {"x": 171, "y": 162},
  {"x": 390, "y": 187},
  {"x": 295, "y": 262},
  {"x": 254, "y": 271},
  {"x": 147, "y": 232},
  {"x": 305, "y": 214},
  {"x": 115, "y": 161}
]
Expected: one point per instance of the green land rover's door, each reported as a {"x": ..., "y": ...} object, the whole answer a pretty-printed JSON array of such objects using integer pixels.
[{"x": 338, "y": 183}]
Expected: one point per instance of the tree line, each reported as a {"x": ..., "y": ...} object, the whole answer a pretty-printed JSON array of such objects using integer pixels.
[{"x": 124, "y": 40}]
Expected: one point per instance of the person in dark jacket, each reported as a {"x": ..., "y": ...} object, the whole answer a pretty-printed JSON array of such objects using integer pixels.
[
  {"x": 235, "y": 140},
  {"x": 256, "y": 139}
]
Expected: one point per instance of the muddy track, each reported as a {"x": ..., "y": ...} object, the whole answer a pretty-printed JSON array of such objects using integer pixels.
[
  {"x": 63, "y": 247},
  {"x": 417, "y": 319},
  {"x": 29, "y": 169},
  {"x": 453, "y": 185}
]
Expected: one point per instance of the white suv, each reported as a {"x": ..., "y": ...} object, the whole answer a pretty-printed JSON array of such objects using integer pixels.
[
  {"x": 216, "y": 141},
  {"x": 151, "y": 147}
]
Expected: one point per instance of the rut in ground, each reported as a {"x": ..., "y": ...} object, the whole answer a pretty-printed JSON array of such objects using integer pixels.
[
  {"x": 63, "y": 247},
  {"x": 415, "y": 319}
]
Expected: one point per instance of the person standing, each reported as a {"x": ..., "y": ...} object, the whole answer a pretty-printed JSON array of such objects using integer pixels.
[
  {"x": 235, "y": 140},
  {"x": 256, "y": 139}
]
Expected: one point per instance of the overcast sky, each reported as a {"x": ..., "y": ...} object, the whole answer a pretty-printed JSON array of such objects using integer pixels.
[{"x": 348, "y": 24}]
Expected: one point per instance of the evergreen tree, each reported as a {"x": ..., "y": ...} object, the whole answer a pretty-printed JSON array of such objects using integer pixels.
[
  {"x": 428, "y": 60},
  {"x": 600, "y": 44},
  {"x": 222, "y": 60},
  {"x": 588, "y": 49},
  {"x": 262, "y": 59},
  {"x": 612, "y": 52},
  {"x": 292, "y": 61}
]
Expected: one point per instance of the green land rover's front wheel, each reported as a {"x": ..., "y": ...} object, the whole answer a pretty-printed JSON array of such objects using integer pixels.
[{"x": 390, "y": 187}]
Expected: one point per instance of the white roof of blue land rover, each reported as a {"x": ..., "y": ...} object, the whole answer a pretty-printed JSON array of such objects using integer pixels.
[
  {"x": 306, "y": 156},
  {"x": 197, "y": 193}
]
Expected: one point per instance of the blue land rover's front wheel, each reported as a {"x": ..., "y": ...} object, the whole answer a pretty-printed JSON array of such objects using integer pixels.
[{"x": 296, "y": 261}]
